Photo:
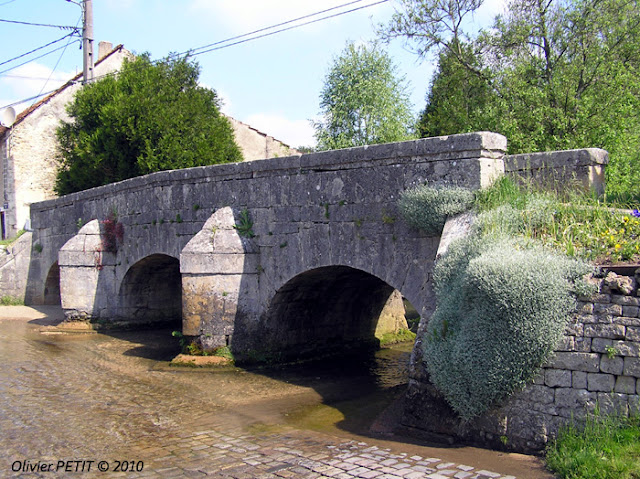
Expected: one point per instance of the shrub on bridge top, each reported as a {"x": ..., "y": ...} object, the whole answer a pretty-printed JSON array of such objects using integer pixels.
[
  {"x": 427, "y": 207},
  {"x": 502, "y": 308},
  {"x": 152, "y": 116}
]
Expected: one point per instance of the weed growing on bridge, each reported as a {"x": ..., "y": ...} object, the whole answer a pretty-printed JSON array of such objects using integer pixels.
[
  {"x": 427, "y": 207},
  {"x": 111, "y": 233},
  {"x": 244, "y": 226}
]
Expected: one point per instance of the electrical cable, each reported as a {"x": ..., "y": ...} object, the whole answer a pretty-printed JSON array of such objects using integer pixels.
[
  {"x": 37, "y": 58},
  {"x": 58, "y": 62},
  {"x": 36, "y": 49},
  {"x": 219, "y": 45},
  {"x": 289, "y": 28},
  {"x": 271, "y": 27},
  {"x": 29, "y": 99},
  {"x": 6, "y": 3},
  {"x": 62, "y": 27}
]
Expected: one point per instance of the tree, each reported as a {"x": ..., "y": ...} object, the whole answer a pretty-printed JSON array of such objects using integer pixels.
[
  {"x": 363, "y": 101},
  {"x": 149, "y": 117},
  {"x": 457, "y": 101},
  {"x": 562, "y": 73}
]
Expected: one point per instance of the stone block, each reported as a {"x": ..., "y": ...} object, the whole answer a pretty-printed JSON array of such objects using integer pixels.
[
  {"x": 557, "y": 378},
  {"x": 574, "y": 328},
  {"x": 600, "y": 298},
  {"x": 633, "y": 333},
  {"x": 600, "y": 382},
  {"x": 538, "y": 394},
  {"x": 574, "y": 361},
  {"x": 574, "y": 399},
  {"x": 627, "y": 348},
  {"x": 584, "y": 307},
  {"x": 627, "y": 321},
  {"x": 625, "y": 385},
  {"x": 630, "y": 311},
  {"x": 625, "y": 300},
  {"x": 611, "y": 365},
  {"x": 579, "y": 380},
  {"x": 600, "y": 345},
  {"x": 632, "y": 367},
  {"x": 609, "y": 331},
  {"x": 613, "y": 403},
  {"x": 611, "y": 309}
]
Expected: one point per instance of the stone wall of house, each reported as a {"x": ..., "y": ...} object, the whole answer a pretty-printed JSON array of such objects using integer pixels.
[
  {"x": 256, "y": 145},
  {"x": 31, "y": 149},
  {"x": 596, "y": 366}
]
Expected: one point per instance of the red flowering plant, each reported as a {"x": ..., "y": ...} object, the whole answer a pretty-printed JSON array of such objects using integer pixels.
[{"x": 112, "y": 232}]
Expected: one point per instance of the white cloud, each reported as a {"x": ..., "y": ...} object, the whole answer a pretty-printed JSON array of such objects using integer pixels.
[{"x": 292, "y": 132}]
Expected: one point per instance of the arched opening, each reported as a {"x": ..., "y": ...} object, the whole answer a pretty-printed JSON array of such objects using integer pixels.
[
  {"x": 151, "y": 292},
  {"x": 331, "y": 310},
  {"x": 336, "y": 317},
  {"x": 52, "y": 286}
]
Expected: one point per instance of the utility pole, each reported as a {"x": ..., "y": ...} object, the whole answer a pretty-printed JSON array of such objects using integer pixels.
[{"x": 87, "y": 41}]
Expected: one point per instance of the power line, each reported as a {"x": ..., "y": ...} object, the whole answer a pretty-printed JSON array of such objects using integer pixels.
[
  {"x": 62, "y": 27},
  {"x": 30, "y": 98},
  {"x": 224, "y": 43},
  {"x": 58, "y": 62},
  {"x": 37, "y": 58},
  {"x": 285, "y": 29},
  {"x": 6, "y": 3},
  {"x": 36, "y": 49},
  {"x": 272, "y": 26}
]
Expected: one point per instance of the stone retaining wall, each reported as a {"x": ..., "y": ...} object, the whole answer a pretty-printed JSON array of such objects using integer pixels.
[
  {"x": 14, "y": 267},
  {"x": 596, "y": 367}
]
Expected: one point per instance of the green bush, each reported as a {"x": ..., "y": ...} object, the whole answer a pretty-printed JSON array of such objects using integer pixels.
[
  {"x": 502, "y": 308},
  {"x": 427, "y": 207}
]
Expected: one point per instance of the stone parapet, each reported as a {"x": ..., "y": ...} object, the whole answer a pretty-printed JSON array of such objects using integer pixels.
[{"x": 560, "y": 169}]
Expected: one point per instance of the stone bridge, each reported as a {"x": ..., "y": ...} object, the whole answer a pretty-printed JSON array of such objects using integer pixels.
[
  {"x": 297, "y": 253},
  {"x": 287, "y": 256}
]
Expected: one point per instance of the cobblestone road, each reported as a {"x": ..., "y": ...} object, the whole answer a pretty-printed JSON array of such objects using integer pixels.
[{"x": 65, "y": 401}]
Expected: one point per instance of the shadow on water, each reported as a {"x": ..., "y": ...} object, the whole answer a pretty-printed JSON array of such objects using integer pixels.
[
  {"x": 360, "y": 393},
  {"x": 155, "y": 345}
]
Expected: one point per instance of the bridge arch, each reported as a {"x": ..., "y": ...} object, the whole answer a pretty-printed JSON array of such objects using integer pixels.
[
  {"x": 151, "y": 291},
  {"x": 330, "y": 309},
  {"x": 52, "y": 286}
]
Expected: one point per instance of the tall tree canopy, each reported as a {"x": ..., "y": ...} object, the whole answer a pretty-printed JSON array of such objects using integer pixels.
[
  {"x": 363, "y": 101},
  {"x": 550, "y": 74},
  {"x": 149, "y": 117}
]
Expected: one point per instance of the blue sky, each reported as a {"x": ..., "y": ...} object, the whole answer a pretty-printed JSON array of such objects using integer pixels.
[{"x": 272, "y": 83}]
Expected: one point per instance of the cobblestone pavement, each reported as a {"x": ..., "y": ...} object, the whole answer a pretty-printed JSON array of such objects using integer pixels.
[{"x": 68, "y": 400}]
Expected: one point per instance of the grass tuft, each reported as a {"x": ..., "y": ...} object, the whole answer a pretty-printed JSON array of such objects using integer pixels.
[{"x": 604, "y": 447}]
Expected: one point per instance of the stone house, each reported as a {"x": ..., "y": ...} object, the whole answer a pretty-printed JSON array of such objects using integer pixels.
[{"x": 28, "y": 163}]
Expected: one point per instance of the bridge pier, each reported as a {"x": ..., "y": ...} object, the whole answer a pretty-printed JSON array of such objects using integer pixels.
[
  {"x": 87, "y": 276},
  {"x": 219, "y": 274}
]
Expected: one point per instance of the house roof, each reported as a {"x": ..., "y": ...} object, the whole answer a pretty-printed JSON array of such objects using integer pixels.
[{"x": 25, "y": 113}]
